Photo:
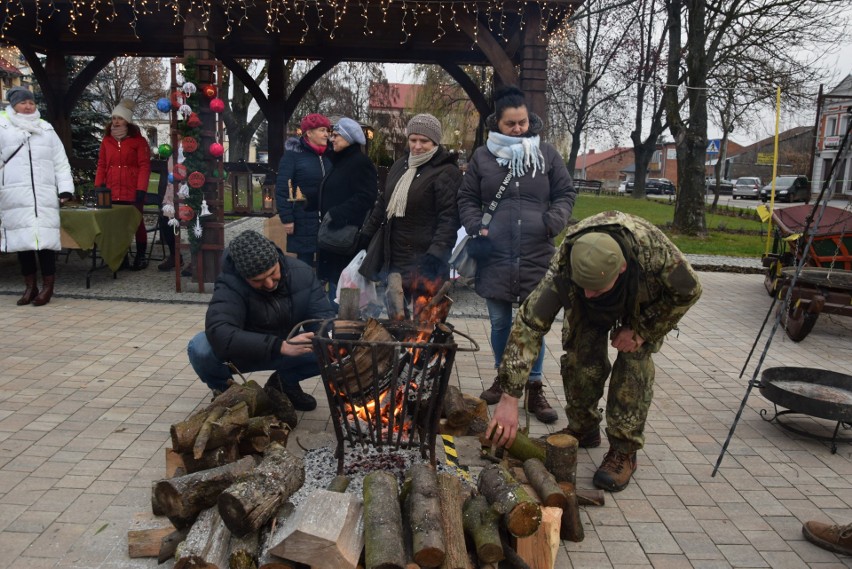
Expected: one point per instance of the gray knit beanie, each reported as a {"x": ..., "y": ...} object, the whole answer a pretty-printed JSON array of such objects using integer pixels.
[
  {"x": 426, "y": 125},
  {"x": 252, "y": 253},
  {"x": 350, "y": 130},
  {"x": 17, "y": 95}
]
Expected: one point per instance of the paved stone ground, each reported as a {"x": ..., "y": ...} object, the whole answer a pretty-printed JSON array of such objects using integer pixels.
[{"x": 89, "y": 388}]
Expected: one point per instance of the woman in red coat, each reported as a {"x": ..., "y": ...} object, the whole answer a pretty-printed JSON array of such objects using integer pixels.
[{"x": 124, "y": 166}]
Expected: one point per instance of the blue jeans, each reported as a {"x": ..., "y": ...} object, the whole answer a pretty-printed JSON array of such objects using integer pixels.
[
  {"x": 500, "y": 313},
  {"x": 216, "y": 373}
]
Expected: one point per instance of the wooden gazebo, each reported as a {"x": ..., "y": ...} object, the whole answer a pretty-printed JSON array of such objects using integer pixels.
[{"x": 509, "y": 35}]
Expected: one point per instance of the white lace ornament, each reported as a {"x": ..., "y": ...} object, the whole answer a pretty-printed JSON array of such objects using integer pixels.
[
  {"x": 197, "y": 229},
  {"x": 189, "y": 88},
  {"x": 185, "y": 110},
  {"x": 204, "y": 209},
  {"x": 175, "y": 224},
  {"x": 183, "y": 191},
  {"x": 169, "y": 210}
]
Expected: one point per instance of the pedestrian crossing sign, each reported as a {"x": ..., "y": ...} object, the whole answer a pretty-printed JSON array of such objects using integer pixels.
[{"x": 713, "y": 146}]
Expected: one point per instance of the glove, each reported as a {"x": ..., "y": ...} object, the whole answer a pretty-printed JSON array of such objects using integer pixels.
[
  {"x": 480, "y": 248},
  {"x": 140, "y": 198},
  {"x": 432, "y": 267}
]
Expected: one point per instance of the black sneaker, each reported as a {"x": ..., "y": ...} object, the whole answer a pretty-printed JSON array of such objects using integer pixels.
[{"x": 301, "y": 401}]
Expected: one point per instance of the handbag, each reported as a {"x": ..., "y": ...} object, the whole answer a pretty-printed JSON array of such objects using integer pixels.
[
  {"x": 374, "y": 262},
  {"x": 340, "y": 240},
  {"x": 461, "y": 259}
]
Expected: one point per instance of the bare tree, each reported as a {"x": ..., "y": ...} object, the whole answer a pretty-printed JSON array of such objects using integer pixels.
[
  {"x": 584, "y": 95},
  {"x": 706, "y": 36},
  {"x": 343, "y": 91},
  {"x": 238, "y": 102},
  {"x": 141, "y": 79}
]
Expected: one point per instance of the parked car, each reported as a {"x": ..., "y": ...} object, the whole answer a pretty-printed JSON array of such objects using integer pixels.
[
  {"x": 622, "y": 188},
  {"x": 628, "y": 187},
  {"x": 726, "y": 187},
  {"x": 747, "y": 187},
  {"x": 659, "y": 186},
  {"x": 789, "y": 189}
]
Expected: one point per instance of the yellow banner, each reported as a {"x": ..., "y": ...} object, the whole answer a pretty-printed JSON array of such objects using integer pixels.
[{"x": 764, "y": 158}]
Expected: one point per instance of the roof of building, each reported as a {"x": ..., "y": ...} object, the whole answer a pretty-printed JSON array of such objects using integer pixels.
[
  {"x": 592, "y": 158},
  {"x": 7, "y": 68},
  {"x": 397, "y": 96},
  {"x": 843, "y": 88},
  {"x": 782, "y": 136}
]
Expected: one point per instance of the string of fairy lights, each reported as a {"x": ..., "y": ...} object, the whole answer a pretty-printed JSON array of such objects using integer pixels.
[{"x": 310, "y": 15}]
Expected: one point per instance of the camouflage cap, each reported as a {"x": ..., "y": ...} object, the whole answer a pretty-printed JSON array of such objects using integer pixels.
[{"x": 596, "y": 260}]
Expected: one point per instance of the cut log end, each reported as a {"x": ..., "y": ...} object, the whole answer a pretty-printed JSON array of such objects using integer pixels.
[{"x": 524, "y": 519}]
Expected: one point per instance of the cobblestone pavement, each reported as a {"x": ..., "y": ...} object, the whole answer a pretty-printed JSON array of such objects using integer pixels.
[{"x": 90, "y": 387}]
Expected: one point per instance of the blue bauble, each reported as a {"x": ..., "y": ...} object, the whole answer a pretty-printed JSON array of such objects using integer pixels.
[
  {"x": 163, "y": 105},
  {"x": 171, "y": 178}
]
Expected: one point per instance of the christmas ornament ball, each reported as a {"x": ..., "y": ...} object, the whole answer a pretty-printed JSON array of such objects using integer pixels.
[
  {"x": 209, "y": 91},
  {"x": 217, "y": 105},
  {"x": 164, "y": 105},
  {"x": 164, "y": 150},
  {"x": 216, "y": 150}
]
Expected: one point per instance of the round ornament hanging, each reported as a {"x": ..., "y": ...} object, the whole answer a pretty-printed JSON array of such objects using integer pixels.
[
  {"x": 194, "y": 121},
  {"x": 164, "y": 105},
  {"x": 189, "y": 144},
  {"x": 209, "y": 91},
  {"x": 196, "y": 179},
  {"x": 164, "y": 150},
  {"x": 185, "y": 213},
  {"x": 189, "y": 88},
  {"x": 177, "y": 98},
  {"x": 179, "y": 172},
  {"x": 216, "y": 150},
  {"x": 217, "y": 105}
]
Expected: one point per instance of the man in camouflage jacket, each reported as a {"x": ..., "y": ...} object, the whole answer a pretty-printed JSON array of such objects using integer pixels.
[{"x": 618, "y": 278}]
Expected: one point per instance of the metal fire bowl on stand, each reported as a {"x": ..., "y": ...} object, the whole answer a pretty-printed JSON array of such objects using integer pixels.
[{"x": 808, "y": 391}]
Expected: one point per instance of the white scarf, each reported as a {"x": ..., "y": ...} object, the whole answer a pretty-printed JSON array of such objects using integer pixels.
[
  {"x": 28, "y": 123},
  {"x": 516, "y": 152},
  {"x": 399, "y": 199}
]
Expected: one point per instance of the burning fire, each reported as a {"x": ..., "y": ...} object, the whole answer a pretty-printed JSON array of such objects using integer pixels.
[
  {"x": 431, "y": 303},
  {"x": 387, "y": 409}
]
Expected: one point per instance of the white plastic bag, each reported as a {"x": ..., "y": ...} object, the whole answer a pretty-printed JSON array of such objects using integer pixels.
[{"x": 351, "y": 278}]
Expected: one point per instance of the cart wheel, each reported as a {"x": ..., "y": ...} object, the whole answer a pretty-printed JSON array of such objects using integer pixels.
[
  {"x": 772, "y": 279},
  {"x": 797, "y": 328}
]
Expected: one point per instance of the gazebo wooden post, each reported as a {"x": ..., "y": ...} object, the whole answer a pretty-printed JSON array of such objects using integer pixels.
[
  {"x": 274, "y": 111},
  {"x": 534, "y": 63},
  {"x": 58, "y": 113},
  {"x": 199, "y": 45}
]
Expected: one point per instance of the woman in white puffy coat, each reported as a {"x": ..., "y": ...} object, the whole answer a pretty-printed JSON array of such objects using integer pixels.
[{"x": 34, "y": 178}]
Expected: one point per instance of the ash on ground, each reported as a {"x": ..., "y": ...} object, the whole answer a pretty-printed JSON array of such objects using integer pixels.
[{"x": 321, "y": 468}]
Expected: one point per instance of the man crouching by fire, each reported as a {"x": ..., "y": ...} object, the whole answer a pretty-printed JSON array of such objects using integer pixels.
[{"x": 618, "y": 278}]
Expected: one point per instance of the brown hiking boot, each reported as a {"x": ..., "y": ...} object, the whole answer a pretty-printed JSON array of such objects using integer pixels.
[
  {"x": 832, "y": 537},
  {"x": 493, "y": 394},
  {"x": 615, "y": 471},
  {"x": 592, "y": 439},
  {"x": 538, "y": 404}
]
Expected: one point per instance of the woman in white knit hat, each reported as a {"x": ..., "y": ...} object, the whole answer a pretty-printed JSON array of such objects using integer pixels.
[
  {"x": 415, "y": 220},
  {"x": 124, "y": 166}
]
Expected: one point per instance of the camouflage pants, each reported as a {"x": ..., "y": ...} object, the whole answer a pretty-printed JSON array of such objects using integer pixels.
[{"x": 585, "y": 368}]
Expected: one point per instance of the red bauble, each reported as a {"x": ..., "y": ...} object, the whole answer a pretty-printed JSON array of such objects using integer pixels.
[
  {"x": 209, "y": 91},
  {"x": 217, "y": 105},
  {"x": 196, "y": 180},
  {"x": 189, "y": 144},
  {"x": 216, "y": 150},
  {"x": 194, "y": 121},
  {"x": 179, "y": 172},
  {"x": 185, "y": 213},
  {"x": 177, "y": 98}
]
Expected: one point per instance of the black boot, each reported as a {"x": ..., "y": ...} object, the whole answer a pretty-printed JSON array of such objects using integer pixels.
[
  {"x": 139, "y": 261},
  {"x": 30, "y": 292},
  {"x": 46, "y": 290},
  {"x": 168, "y": 264}
]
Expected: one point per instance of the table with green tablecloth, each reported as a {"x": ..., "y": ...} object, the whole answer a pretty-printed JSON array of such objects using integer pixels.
[{"x": 105, "y": 232}]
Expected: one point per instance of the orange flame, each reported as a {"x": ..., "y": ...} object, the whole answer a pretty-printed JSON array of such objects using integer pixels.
[{"x": 387, "y": 409}]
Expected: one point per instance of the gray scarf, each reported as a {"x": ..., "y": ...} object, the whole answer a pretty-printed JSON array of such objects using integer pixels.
[{"x": 399, "y": 198}]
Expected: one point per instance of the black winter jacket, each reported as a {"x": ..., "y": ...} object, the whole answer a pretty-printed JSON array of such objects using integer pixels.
[
  {"x": 348, "y": 192},
  {"x": 431, "y": 219},
  {"x": 302, "y": 168},
  {"x": 532, "y": 212},
  {"x": 244, "y": 324}
]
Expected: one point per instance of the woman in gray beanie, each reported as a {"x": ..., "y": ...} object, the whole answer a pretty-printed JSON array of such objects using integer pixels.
[
  {"x": 415, "y": 220},
  {"x": 346, "y": 194},
  {"x": 36, "y": 177}
]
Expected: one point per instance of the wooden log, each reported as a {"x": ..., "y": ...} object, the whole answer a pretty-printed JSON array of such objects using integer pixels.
[
  {"x": 251, "y": 502},
  {"x": 450, "y": 498},
  {"x": 481, "y": 524},
  {"x": 182, "y": 498},
  {"x": 169, "y": 544},
  {"x": 545, "y": 485},
  {"x": 455, "y": 409},
  {"x": 338, "y": 484},
  {"x": 561, "y": 457},
  {"x": 206, "y": 544},
  {"x": 156, "y": 507},
  {"x": 325, "y": 532},
  {"x": 243, "y": 551},
  {"x": 272, "y": 534},
  {"x": 282, "y": 407},
  {"x": 539, "y": 550},
  {"x": 251, "y": 393},
  {"x": 520, "y": 513},
  {"x": 395, "y": 297},
  {"x": 383, "y": 547},
  {"x": 357, "y": 373},
  {"x": 174, "y": 460},
  {"x": 211, "y": 458},
  {"x": 588, "y": 497},
  {"x": 184, "y": 434},
  {"x": 424, "y": 509},
  {"x": 261, "y": 432},
  {"x": 523, "y": 448},
  {"x": 214, "y": 417},
  {"x": 146, "y": 542},
  {"x": 350, "y": 304},
  {"x": 571, "y": 528}
]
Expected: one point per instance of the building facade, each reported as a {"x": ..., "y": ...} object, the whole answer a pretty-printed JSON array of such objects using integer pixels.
[{"x": 833, "y": 122}]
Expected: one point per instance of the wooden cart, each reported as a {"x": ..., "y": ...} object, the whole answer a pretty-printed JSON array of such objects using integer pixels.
[{"x": 816, "y": 291}]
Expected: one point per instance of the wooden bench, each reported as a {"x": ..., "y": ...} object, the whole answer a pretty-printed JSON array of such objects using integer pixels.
[{"x": 593, "y": 186}]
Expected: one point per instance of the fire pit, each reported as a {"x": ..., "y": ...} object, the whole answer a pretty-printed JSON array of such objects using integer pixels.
[
  {"x": 816, "y": 392},
  {"x": 385, "y": 381}
]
